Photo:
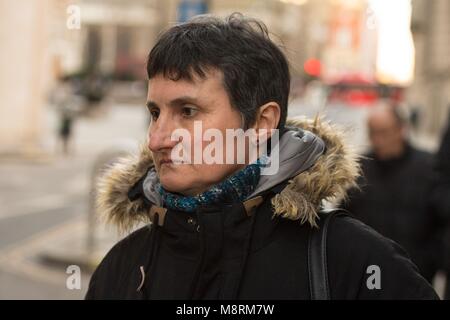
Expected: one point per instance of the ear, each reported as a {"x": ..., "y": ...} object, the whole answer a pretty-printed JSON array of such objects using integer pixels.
[
  {"x": 404, "y": 132},
  {"x": 268, "y": 117}
]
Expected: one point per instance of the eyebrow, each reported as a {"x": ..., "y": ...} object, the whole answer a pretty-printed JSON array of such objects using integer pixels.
[{"x": 175, "y": 102}]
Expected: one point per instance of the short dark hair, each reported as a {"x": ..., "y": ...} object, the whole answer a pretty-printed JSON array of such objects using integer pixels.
[{"x": 255, "y": 70}]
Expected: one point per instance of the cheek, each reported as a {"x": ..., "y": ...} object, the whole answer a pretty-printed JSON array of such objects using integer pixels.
[
  {"x": 399, "y": 137},
  {"x": 376, "y": 139},
  {"x": 181, "y": 173},
  {"x": 189, "y": 175}
]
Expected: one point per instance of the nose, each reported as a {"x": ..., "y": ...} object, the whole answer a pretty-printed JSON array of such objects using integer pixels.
[{"x": 159, "y": 134}]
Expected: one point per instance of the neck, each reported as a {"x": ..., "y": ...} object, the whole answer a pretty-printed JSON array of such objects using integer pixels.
[{"x": 232, "y": 189}]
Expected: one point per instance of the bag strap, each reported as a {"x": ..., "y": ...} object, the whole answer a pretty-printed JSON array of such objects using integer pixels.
[{"x": 317, "y": 255}]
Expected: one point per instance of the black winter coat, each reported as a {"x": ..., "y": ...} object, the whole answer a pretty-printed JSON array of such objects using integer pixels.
[{"x": 251, "y": 250}]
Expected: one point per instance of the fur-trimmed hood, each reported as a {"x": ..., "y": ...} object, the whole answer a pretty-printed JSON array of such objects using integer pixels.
[{"x": 326, "y": 180}]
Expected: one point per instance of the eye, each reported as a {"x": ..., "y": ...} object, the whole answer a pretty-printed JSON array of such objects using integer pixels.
[
  {"x": 154, "y": 112},
  {"x": 188, "y": 112}
]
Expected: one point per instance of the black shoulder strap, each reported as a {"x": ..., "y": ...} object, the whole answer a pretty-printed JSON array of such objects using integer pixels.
[{"x": 317, "y": 255}]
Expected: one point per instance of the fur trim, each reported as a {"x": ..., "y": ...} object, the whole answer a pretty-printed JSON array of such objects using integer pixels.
[
  {"x": 327, "y": 180},
  {"x": 112, "y": 201}
]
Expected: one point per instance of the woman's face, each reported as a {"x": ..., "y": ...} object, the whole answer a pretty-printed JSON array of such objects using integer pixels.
[{"x": 177, "y": 105}]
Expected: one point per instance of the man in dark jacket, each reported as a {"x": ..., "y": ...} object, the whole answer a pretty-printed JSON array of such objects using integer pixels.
[
  {"x": 235, "y": 230},
  {"x": 394, "y": 192}
]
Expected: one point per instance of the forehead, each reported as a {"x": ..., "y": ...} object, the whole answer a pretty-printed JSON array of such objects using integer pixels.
[
  {"x": 382, "y": 119},
  {"x": 161, "y": 88}
]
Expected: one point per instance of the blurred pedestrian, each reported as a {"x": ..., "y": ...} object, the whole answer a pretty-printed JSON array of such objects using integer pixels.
[
  {"x": 65, "y": 130},
  {"x": 395, "y": 188},
  {"x": 93, "y": 89},
  {"x": 67, "y": 105}
]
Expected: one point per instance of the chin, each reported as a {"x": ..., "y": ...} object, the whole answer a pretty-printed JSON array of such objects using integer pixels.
[{"x": 174, "y": 182}]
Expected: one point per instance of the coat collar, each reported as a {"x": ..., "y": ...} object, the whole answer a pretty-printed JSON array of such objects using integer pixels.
[{"x": 326, "y": 180}]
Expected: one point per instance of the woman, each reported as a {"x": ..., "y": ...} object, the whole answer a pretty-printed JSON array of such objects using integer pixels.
[{"x": 226, "y": 229}]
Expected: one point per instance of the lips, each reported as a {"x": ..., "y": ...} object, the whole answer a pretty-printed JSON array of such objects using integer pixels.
[{"x": 165, "y": 161}]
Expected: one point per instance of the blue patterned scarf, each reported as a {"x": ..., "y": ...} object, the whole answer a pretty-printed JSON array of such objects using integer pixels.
[{"x": 234, "y": 189}]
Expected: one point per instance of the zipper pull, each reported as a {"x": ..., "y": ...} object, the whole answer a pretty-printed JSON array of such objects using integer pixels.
[{"x": 141, "y": 268}]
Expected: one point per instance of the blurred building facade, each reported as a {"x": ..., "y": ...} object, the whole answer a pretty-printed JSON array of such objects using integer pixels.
[
  {"x": 23, "y": 64},
  {"x": 331, "y": 31},
  {"x": 339, "y": 37},
  {"x": 114, "y": 37},
  {"x": 39, "y": 46},
  {"x": 431, "y": 88}
]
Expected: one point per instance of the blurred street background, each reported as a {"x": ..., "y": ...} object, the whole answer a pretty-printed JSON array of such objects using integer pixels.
[{"x": 73, "y": 89}]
